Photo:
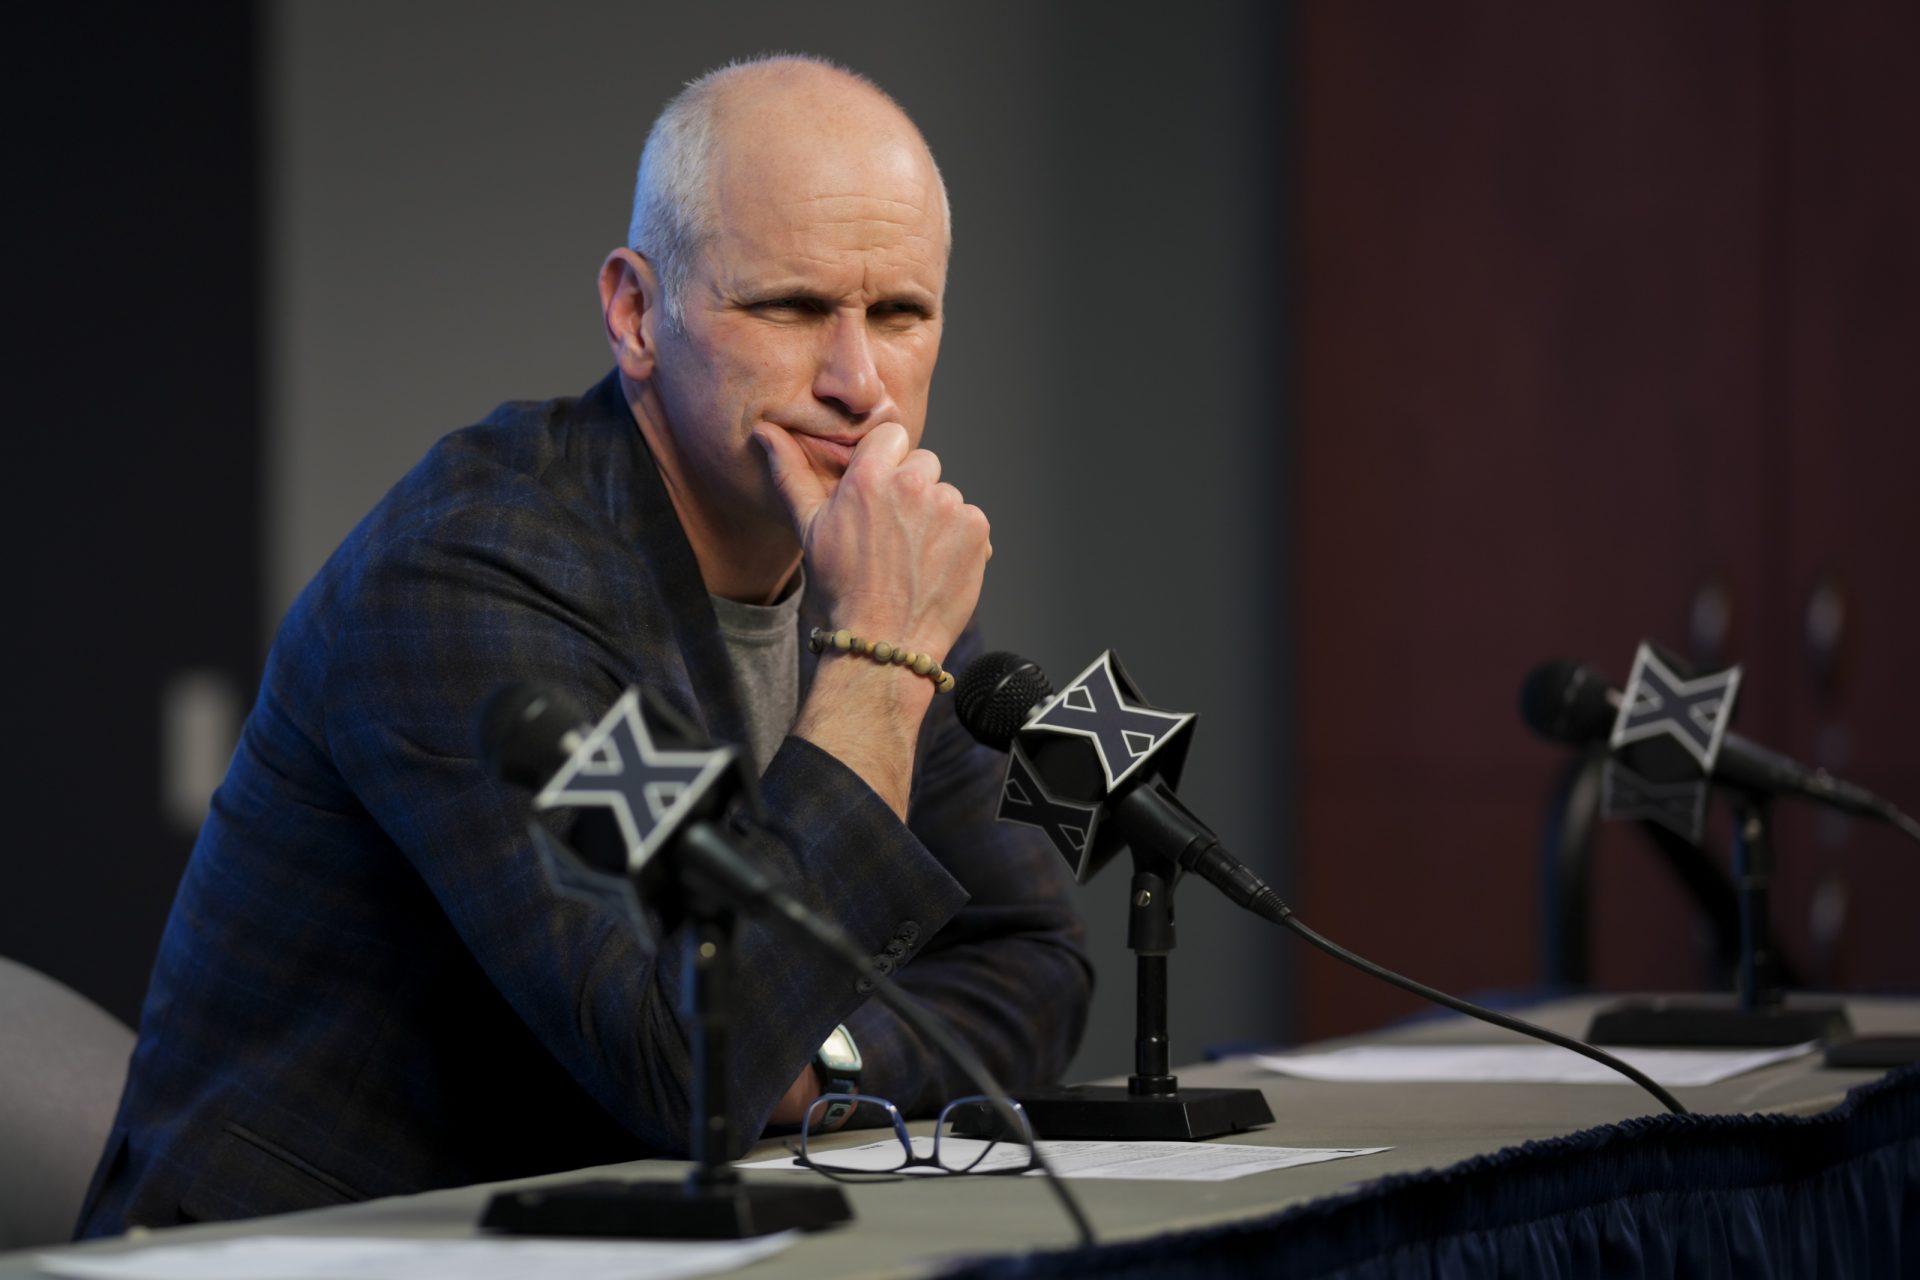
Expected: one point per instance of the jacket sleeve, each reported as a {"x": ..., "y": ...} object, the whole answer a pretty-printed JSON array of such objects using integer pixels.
[
  {"x": 1008, "y": 971},
  {"x": 439, "y": 619}
]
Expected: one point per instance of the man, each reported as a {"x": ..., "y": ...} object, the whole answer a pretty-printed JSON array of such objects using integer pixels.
[{"x": 366, "y": 986}]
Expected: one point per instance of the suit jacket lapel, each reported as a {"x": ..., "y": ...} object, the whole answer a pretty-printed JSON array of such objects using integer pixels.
[{"x": 711, "y": 702}]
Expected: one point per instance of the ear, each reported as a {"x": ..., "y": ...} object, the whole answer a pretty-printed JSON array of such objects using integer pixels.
[{"x": 630, "y": 302}]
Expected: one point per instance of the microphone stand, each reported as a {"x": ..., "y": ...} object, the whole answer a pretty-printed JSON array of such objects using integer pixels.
[
  {"x": 1758, "y": 1014},
  {"x": 1152, "y": 1105},
  {"x": 687, "y": 881}
]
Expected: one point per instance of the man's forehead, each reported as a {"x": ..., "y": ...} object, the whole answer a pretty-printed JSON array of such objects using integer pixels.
[
  {"x": 811, "y": 160},
  {"x": 854, "y": 257},
  {"x": 829, "y": 201},
  {"x": 809, "y": 130}
]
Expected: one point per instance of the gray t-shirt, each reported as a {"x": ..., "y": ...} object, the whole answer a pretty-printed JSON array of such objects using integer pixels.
[{"x": 763, "y": 648}]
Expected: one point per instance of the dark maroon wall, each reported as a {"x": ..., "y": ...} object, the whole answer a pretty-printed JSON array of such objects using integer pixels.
[{"x": 1599, "y": 305}]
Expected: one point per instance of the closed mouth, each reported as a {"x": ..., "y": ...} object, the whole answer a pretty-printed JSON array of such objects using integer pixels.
[{"x": 824, "y": 450}]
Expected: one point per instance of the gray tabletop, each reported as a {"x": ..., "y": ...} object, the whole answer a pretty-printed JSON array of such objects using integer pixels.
[{"x": 909, "y": 1227}]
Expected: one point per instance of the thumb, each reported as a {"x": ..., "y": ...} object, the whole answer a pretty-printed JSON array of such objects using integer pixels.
[{"x": 793, "y": 479}]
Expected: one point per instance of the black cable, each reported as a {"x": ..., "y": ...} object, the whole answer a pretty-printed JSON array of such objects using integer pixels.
[
  {"x": 1524, "y": 1027},
  {"x": 1204, "y": 856},
  {"x": 836, "y": 941}
]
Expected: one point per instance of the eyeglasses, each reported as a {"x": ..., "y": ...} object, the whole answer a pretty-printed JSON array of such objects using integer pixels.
[{"x": 944, "y": 1152}]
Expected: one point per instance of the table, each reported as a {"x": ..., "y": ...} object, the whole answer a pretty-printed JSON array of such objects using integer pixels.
[{"x": 1362, "y": 1216}]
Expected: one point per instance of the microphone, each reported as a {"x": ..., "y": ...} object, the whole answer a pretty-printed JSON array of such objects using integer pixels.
[
  {"x": 526, "y": 732},
  {"x": 1004, "y": 700},
  {"x": 636, "y": 790},
  {"x": 651, "y": 794},
  {"x": 999, "y": 696},
  {"x": 1572, "y": 703}
]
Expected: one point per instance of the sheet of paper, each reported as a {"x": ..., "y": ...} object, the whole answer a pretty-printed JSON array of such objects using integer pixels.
[
  {"x": 1520, "y": 1064},
  {"x": 1125, "y": 1161},
  {"x": 368, "y": 1258}
]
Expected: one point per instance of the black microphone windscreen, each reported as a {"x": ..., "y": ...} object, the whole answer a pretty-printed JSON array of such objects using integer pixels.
[
  {"x": 1567, "y": 702},
  {"x": 995, "y": 695},
  {"x": 524, "y": 732}
]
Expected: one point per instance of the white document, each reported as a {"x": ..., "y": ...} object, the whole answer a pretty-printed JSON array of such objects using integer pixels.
[
  {"x": 370, "y": 1258},
  {"x": 1124, "y": 1161},
  {"x": 1520, "y": 1064}
]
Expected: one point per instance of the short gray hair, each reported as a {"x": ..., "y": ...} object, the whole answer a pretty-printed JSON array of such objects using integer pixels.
[{"x": 673, "y": 215}]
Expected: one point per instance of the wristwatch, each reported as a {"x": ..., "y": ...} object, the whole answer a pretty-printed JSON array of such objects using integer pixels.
[{"x": 838, "y": 1062}]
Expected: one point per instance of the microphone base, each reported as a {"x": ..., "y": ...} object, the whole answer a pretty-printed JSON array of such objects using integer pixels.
[
  {"x": 1110, "y": 1113},
  {"x": 1708, "y": 1022},
  {"x": 607, "y": 1207}
]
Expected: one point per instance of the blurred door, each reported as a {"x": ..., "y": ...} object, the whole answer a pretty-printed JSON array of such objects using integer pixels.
[{"x": 1606, "y": 315}]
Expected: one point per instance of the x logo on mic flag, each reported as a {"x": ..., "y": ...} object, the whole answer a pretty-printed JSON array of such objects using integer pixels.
[
  {"x": 1659, "y": 702},
  {"x": 1680, "y": 807},
  {"x": 1025, "y": 800},
  {"x": 648, "y": 788},
  {"x": 1124, "y": 733}
]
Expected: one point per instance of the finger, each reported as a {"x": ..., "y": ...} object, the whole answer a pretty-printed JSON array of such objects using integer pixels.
[
  {"x": 884, "y": 446},
  {"x": 923, "y": 464},
  {"x": 979, "y": 517},
  {"x": 793, "y": 479}
]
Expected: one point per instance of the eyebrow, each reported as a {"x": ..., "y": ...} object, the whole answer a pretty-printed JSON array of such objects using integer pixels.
[{"x": 925, "y": 303}]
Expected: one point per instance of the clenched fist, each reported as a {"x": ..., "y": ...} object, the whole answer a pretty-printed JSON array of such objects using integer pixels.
[{"x": 895, "y": 553}]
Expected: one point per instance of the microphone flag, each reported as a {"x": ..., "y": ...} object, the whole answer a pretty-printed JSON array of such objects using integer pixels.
[
  {"x": 1680, "y": 807},
  {"x": 1693, "y": 712},
  {"x": 1125, "y": 732},
  {"x": 1665, "y": 741},
  {"x": 652, "y": 791},
  {"x": 1025, "y": 800},
  {"x": 1093, "y": 738}
]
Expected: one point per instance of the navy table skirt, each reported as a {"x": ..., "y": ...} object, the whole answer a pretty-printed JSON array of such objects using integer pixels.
[{"x": 1834, "y": 1194}]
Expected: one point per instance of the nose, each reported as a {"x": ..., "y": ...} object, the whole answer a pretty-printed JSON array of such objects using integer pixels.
[{"x": 847, "y": 379}]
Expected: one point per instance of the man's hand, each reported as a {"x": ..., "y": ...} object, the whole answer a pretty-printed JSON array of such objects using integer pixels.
[{"x": 896, "y": 555}]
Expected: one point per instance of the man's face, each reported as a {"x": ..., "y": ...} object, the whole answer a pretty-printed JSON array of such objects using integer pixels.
[{"x": 815, "y": 308}]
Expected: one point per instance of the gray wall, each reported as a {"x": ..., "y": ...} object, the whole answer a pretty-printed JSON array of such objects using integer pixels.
[{"x": 446, "y": 177}]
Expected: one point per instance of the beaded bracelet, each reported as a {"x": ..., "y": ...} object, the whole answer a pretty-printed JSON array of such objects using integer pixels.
[{"x": 819, "y": 640}]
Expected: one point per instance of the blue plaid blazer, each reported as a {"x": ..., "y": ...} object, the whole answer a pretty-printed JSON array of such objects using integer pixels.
[{"x": 367, "y": 986}]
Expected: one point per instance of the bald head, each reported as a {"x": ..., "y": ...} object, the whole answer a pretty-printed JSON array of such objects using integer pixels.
[{"x": 769, "y": 129}]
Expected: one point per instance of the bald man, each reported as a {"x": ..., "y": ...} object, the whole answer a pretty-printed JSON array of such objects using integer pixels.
[{"x": 367, "y": 986}]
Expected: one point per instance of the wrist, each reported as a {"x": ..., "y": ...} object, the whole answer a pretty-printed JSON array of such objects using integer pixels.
[
  {"x": 882, "y": 653},
  {"x": 890, "y": 701},
  {"x": 837, "y": 1065},
  {"x": 868, "y": 717}
]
